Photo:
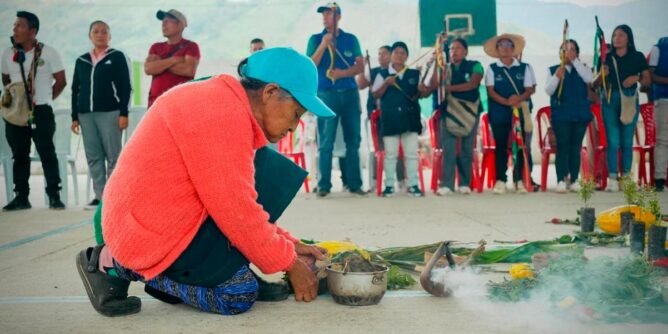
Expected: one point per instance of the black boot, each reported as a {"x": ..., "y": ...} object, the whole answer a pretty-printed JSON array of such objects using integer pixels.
[
  {"x": 659, "y": 184},
  {"x": 20, "y": 202},
  {"x": 107, "y": 294},
  {"x": 55, "y": 203},
  {"x": 271, "y": 292}
]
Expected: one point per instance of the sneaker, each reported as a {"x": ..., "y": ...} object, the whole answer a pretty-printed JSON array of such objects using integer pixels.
[
  {"x": 18, "y": 203},
  {"x": 388, "y": 192},
  {"x": 444, "y": 191},
  {"x": 561, "y": 187},
  {"x": 464, "y": 190},
  {"x": 613, "y": 185},
  {"x": 55, "y": 203},
  {"x": 520, "y": 188},
  {"x": 358, "y": 192},
  {"x": 322, "y": 193},
  {"x": 574, "y": 187},
  {"x": 92, "y": 205},
  {"x": 500, "y": 187},
  {"x": 107, "y": 294},
  {"x": 415, "y": 191},
  {"x": 659, "y": 185}
]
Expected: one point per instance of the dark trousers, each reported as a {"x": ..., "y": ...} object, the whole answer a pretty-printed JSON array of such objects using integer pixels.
[
  {"x": 502, "y": 133},
  {"x": 19, "y": 137},
  {"x": 346, "y": 105},
  {"x": 569, "y": 143}
]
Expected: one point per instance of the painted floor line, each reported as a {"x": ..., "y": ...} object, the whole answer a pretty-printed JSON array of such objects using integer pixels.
[
  {"x": 21, "y": 242},
  {"x": 84, "y": 299}
]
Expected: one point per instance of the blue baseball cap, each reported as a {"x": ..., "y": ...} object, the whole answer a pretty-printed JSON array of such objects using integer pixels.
[
  {"x": 329, "y": 6},
  {"x": 291, "y": 71}
]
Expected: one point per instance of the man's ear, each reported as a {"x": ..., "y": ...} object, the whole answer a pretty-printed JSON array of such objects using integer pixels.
[{"x": 268, "y": 91}]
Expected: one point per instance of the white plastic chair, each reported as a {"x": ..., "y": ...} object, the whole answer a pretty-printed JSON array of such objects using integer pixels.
[
  {"x": 7, "y": 163},
  {"x": 62, "y": 141},
  {"x": 135, "y": 115}
]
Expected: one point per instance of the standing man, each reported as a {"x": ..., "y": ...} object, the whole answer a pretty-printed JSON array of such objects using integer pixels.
[
  {"x": 337, "y": 88},
  {"x": 256, "y": 45},
  {"x": 172, "y": 62},
  {"x": 41, "y": 68},
  {"x": 658, "y": 67}
]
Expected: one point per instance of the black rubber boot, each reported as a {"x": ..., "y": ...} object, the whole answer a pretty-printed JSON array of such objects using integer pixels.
[
  {"x": 271, "y": 292},
  {"x": 107, "y": 294}
]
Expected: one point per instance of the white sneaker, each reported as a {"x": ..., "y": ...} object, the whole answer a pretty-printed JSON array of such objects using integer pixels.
[
  {"x": 574, "y": 187},
  {"x": 561, "y": 187},
  {"x": 500, "y": 187},
  {"x": 444, "y": 191},
  {"x": 464, "y": 190},
  {"x": 520, "y": 188},
  {"x": 613, "y": 185}
]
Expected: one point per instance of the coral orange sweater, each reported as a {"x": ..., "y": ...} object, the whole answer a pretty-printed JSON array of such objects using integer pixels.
[{"x": 192, "y": 156}]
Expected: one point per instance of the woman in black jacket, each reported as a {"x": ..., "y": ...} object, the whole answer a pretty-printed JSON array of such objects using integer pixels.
[{"x": 100, "y": 98}]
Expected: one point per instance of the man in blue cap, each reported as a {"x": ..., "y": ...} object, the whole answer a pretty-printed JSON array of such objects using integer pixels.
[
  {"x": 187, "y": 217},
  {"x": 338, "y": 56}
]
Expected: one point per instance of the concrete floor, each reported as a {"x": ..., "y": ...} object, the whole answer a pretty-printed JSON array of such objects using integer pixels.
[{"x": 41, "y": 291}]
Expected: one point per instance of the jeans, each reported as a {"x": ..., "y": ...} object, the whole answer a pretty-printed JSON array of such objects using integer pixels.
[
  {"x": 462, "y": 161},
  {"x": 19, "y": 137},
  {"x": 569, "y": 144},
  {"x": 409, "y": 142},
  {"x": 661, "y": 148},
  {"x": 102, "y": 143},
  {"x": 346, "y": 106},
  {"x": 619, "y": 136}
]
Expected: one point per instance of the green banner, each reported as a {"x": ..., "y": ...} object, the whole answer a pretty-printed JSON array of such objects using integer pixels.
[{"x": 475, "y": 19}]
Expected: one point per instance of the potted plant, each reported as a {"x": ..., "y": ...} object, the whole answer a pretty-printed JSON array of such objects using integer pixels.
[
  {"x": 656, "y": 234},
  {"x": 587, "y": 214},
  {"x": 632, "y": 197}
]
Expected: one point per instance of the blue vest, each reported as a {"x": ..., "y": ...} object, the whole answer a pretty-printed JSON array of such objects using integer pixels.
[
  {"x": 345, "y": 43},
  {"x": 500, "y": 114},
  {"x": 661, "y": 91},
  {"x": 400, "y": 109},
  {"x": 574, "y": 105}
]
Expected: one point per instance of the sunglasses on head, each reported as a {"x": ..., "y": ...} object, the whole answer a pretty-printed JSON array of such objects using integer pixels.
[{"x": 505, "y": 43}]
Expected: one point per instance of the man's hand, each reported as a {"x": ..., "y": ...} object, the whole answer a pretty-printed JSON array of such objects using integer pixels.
[
  {"x": 514, "y": 100},
  {"x": 605, "y": 70},
  {"x": 630, "y": 81},
  {"x": 560, "y": 72},
  {"x": 326, "y": 40},
  {"x": 318, "y": 253},
  {"x": 391, "y": 80},
  {"x": 123, "y": 122},
  {"x": 303, "y": 281},
  {"x": 335, "y": 74},
  {"x": 75, "y": 127}
]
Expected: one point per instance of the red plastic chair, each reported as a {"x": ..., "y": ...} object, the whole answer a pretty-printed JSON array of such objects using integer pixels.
[
  {"x": 286, "y": 146},
  {"x": 487, "y": 168},
  {"x": 379, "y": 154},
  {"x": 543, "y": 119},
  {"x": 646, "y": 150},
  {"x": 599, "y": 143},
  {"x": 436, "y": 150}
]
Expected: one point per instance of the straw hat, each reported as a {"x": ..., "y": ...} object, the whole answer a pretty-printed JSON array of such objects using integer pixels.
[{"x": 490, "y": 45}]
